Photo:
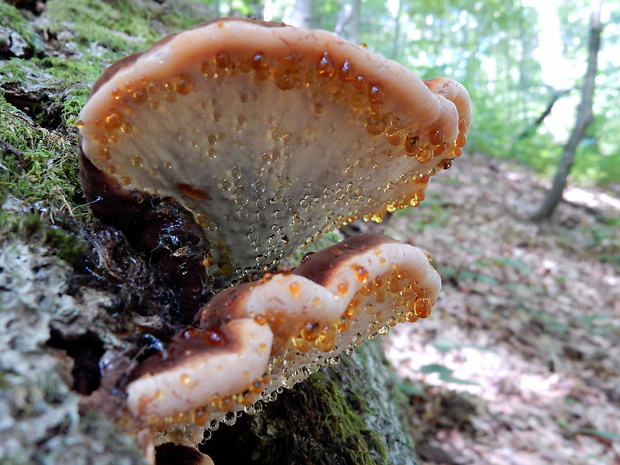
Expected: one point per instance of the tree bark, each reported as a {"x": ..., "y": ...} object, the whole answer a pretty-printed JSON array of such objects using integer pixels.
[{"x": 584, "y": 118}]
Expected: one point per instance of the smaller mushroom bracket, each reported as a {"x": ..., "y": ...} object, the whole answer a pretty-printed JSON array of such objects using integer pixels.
[{"x": 253, "y": 340}]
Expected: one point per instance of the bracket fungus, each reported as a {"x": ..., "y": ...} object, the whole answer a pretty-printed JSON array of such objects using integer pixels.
[{"x": 229, "y": 146}]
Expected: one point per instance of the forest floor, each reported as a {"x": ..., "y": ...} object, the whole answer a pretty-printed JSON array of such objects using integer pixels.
[{"x": 520, "y": 361}]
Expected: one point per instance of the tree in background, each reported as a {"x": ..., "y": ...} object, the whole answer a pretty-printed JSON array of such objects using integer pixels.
[{"x": 584, "y": 119}]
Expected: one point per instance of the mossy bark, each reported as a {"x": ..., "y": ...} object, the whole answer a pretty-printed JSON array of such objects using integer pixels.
[{"x": 70, "y": 286}]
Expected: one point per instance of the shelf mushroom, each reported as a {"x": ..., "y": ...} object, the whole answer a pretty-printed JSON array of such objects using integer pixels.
[
  {"x": 258, "y": 337},
  {"x": 231, "y": 145}
]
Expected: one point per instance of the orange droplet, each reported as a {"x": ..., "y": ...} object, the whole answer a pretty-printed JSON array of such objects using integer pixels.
[
  {"x": 310, "y": 332},
  {"x": 184, "y": 84},
  {"x": 140, "y": 95},
  {"x": 435, "y": 136},
  {"x": 360, "y": 82},
  {"x": 375, "y": 94},
  {"x": 462, "y": 125},
  {"x": 222, "y": 60},
  {"x": 411, "y": 143},
  {"x": 190, "y": 333},
  {"x": 113, "y": 120},
  {"x": 259, "y": 61},
  {"x": 346, "y": 72},
  {"x": 393, "y": 136},
  {"x": 326, "y": 340},
  {"x": 423, "y": 307},
  {"x": 214, "y": 336},
  {"x": 260, "y": 319},
  {"x": 325, "y": 66},
  {"x": 285, "y": 79},
  {"x": 424, "y": 156},
  {"x": 294, "y": 288},
  {"x": 361, "y": 273}
]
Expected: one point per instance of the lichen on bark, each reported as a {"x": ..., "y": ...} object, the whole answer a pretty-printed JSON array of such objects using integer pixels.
[{"x": 69, "y": 285}]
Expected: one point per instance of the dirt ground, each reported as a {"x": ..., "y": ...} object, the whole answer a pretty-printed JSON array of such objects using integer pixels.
[{"x": 520, "y": 361}]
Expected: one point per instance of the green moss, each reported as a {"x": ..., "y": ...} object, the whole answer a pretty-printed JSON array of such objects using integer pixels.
[
  {"x": 38, "y": 180},
  {"x": 118, "y": 26},
  {"x": 11, "y": 18},
  {"x": 342, "y": 415}
]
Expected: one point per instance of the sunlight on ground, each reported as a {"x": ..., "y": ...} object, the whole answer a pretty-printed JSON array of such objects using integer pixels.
[
  {"x": 591, "y": 199},
  {"x": 518, "y": 362}
]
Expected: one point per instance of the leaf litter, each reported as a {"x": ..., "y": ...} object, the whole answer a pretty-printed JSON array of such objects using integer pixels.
[{"x": 519, "y": 362}]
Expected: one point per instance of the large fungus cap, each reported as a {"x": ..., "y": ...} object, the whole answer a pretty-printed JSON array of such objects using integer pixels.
[
  {"x": 259, "y": 337},
  {"x": 270, "y": 134}
]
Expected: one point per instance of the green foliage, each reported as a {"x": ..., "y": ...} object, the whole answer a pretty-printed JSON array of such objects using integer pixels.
[
  {"x": 489, "y": 45},
  {"x": 445, "y": 374}
]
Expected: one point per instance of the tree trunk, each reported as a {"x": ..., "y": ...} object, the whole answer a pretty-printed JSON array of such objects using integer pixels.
[
  {"x": 72, "y": 292},
  {"x": 396, "y": 39},
  {"x": 557, "y": 94},
  {"x": 348, "y": 21},
  {"x": 304, "y": 14},
  {"x": 584, "y": 119}
]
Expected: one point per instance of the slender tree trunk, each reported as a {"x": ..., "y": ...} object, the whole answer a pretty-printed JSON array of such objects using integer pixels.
[
  {"x": 354, "y": 31},
  {"x": 303, "y": 15},
  {"x": 396, "y": 42},
  {"x": 557, "y": 94},
  {"x": 584, "y": 119}
]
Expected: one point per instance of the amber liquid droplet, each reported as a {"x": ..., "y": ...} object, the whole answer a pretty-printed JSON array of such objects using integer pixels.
[
  {"x": 222, "y": 60},
  {"x": 259, "y": 61},
  {"x": 462, "y": 125},
  {"x": 190, "y": 333},
  {"x": 326, "y": 340},
  {"x": 184, "y": 84},
  {"x": 346, "y": 72},
  {"x": 325, "y": 67},
  {"x": 140, "y": 96},
  {"x": 423, "y": 307},
  {"x": 435, "y": 136},
  {"x": 214, "y": 336},
  {"x": 361, "y": 273},
  {"x": 461, "y": 140},
  {"x": 285, "y": 79},
  {"x": 445, "y": 164},
  {"x": 411, "y": 143},
  {"x": 294, "y": 288},
  {"x": 424, "y": 156},
  {"x": 375, "y": 94},
  {"x": 113, "y": 120},
  {"x": 310, "y": 332}
]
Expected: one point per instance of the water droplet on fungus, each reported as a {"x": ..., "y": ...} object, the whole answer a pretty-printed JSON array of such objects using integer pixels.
[
  {"x": 214, "y": 336},
  {"x": 325, "y": 67}
]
